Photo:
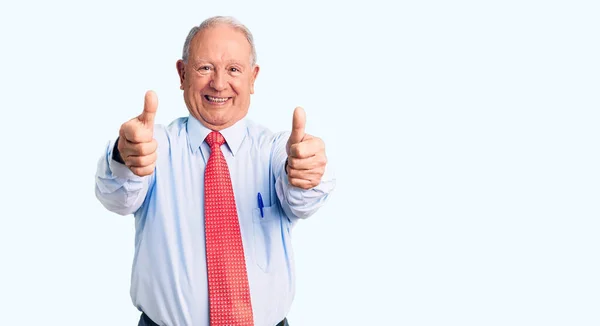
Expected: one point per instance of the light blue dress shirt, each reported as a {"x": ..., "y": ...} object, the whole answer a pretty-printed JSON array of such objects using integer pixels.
[{"x": 169, "y": 280}]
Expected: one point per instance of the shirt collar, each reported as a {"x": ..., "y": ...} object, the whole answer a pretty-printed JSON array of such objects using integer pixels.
[{"x": 233, "y": 135}]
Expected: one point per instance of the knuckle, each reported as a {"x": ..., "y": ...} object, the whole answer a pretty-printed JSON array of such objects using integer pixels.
[
  {"x": 136, "y": 149},
  {"x": 140, "y": 149},
  {"x": 144, "y": 149},
  {"x": 146, "y": 160},
  {"x": 124, "y": 128},
  {"x": 135, "y": 135},
  {"x": 121, "y": 146},
  {"x": 140, "y": 136},
  {"x": 317, "y": 163},
  {"x": 128, "y": 131},
  {"x": 300, "y": 151},
  {"x": 133, "y": 161},
  {"x": 142, "y": 161},
  {"x": 321, "y": 143},
  {"x": 131, "y": 149}
]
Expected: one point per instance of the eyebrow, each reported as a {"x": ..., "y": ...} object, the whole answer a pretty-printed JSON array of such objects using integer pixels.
[{"x": 198, "y": 60}]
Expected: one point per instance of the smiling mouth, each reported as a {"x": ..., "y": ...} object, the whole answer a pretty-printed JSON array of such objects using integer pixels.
[{"x": 216, "y": 100}]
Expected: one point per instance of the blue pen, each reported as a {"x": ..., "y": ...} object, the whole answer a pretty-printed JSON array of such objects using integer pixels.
[{"x": 260, "y": 205}]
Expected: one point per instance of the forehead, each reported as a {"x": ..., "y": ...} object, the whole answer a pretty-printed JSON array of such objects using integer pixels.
[{"x": 220, "y": 43}]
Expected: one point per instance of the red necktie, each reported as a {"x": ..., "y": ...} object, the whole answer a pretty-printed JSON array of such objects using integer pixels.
[{"x": 228, "y": 290}]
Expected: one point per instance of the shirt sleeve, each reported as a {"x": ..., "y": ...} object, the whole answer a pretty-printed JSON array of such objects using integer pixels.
[
  {"x": 117, "y": 188},
  {"x": 297, "y": 202}
]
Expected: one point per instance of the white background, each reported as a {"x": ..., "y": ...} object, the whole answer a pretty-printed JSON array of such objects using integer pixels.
[{"x": 464, "y": 136}]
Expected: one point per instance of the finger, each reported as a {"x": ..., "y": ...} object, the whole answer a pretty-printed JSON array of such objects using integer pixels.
[
  {"x": 140, "y": 161},
  {"x": 142, "y": 171},
  {"x": 307, "y": 163},
  {"x": 150, "y": 107},
  {"x": 298, "y": 124},
  {"x": 139, "y": 149},
  {"x": 304, "y": 184},
  {"x": 314, "y": 174},
  {"x": 307, "y": 148},
  {"x": 135, "y": 133}
]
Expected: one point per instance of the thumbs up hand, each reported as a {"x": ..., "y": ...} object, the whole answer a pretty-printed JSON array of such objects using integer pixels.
[
  {"x": 137, "y": 146},
  {"x": 306, "y": 155}
]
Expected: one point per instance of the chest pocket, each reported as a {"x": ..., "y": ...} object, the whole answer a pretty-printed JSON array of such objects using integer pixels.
[{"x": 268, "y": 237}]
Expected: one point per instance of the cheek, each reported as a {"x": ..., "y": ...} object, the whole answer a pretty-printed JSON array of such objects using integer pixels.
[
  {"x": 241, "y": 87},
  {"x": 197, "y": 84}
]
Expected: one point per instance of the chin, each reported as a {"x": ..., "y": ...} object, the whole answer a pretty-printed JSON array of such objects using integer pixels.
[{"x": 216, "y": 121}]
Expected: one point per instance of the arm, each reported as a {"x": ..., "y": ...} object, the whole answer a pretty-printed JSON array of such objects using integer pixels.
[
  {"x": 117, "y": 188},
  {"x": 303, "y": 179},
  {"x": 126, "y": 169},
  {"x": 295, "y": 201}
]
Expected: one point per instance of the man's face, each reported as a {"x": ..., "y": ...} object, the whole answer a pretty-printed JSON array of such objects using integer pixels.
[{"x": 218, "y": 78}]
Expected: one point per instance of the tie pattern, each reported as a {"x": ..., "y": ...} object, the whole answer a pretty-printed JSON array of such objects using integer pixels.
[{"x": 228, "y": 290}]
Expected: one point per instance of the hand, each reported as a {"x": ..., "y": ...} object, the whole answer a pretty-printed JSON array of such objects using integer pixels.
[
  {"x": 137, "y": 146},
  {"x": 306, "y": 155}
]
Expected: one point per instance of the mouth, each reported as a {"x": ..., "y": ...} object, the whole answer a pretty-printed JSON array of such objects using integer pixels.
[{"x": 216, "y": 100}]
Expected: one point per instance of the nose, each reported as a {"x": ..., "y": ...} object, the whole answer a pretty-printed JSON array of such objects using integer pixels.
[{"x": 219, "y": 81}]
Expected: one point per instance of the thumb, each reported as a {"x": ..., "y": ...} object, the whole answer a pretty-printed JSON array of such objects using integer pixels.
[
  {"x": 150, "y": 106},
  {"x": 298, "y": 124}
]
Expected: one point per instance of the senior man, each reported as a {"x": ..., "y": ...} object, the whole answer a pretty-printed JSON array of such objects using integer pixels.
[{"x": 215, "y": 195}]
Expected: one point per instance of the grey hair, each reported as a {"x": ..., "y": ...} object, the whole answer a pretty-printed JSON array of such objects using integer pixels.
[{"x": 216, "y": 20}]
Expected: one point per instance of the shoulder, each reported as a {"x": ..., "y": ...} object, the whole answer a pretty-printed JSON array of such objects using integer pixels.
[
  {"x": 174, "y": 129},
  {"x": 260, "y": 134}
]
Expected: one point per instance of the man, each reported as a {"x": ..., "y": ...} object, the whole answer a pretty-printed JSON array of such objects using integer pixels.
[{"x": 215, "y": 195}]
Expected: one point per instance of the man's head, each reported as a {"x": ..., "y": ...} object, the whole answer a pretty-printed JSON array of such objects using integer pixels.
[{"x": 217, "y": 71}]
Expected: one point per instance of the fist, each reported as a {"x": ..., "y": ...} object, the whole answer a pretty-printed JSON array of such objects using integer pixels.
[
  {"x": 137, "y": 146},
  {"x": 306, "y": 155}
]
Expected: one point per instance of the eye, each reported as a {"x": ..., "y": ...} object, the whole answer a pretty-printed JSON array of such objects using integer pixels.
[
  {"x": 204, "y": 68},
  {"x": 234, "y": 69}
]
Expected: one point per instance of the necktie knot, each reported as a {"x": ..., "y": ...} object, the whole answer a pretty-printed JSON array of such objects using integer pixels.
[{"x": 215, "y": 138}]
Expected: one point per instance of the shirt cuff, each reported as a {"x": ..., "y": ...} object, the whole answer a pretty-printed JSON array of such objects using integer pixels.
[{"x": 302, "y": 203}]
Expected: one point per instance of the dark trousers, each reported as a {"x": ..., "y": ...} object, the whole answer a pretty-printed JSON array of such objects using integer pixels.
[{"x": 146, "y": 321}]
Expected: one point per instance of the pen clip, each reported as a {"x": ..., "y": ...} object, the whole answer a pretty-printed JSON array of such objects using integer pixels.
[{"x": 261, "y": 205}]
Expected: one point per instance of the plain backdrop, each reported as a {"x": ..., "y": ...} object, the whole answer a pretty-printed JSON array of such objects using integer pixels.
[{"x": 463, "y": 134}]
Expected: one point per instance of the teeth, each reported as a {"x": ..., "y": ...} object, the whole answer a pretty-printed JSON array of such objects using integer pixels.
[{"x": 217, "y": 99}]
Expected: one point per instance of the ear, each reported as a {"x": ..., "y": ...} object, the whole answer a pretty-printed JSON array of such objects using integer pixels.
[
  {"x": 255, "y": 71},
  {"x": 181, "y": 71}
]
